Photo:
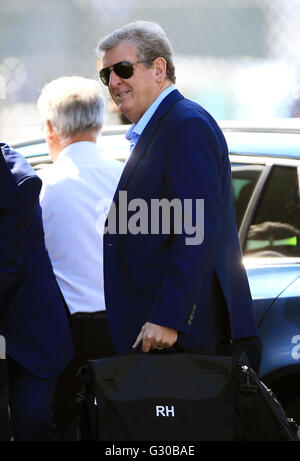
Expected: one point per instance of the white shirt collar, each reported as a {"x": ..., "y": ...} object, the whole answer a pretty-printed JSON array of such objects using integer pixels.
[{"x": 80, "y": 152}]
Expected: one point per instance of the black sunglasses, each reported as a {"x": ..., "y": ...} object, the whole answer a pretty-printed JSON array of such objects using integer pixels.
[{"x": 123, "y": 69}]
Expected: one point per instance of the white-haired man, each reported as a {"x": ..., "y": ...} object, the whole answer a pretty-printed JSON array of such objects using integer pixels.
[{"x": 72, "y": 111}]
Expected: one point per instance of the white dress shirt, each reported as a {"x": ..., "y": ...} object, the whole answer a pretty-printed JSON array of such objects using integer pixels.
[{"x": 76, "y": 194}]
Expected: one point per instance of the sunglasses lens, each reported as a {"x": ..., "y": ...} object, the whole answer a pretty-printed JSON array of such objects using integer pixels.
[
  {"x": 104, "y": 75},
  {"x": 123, "y": 69}
]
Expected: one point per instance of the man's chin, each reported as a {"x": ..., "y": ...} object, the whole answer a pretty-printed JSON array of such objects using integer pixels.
[{"x": 126, "y": 114}]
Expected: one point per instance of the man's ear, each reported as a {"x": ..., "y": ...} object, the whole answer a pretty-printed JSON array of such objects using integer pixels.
[
  {"x": 160, "y": 69},
  {"x": 49, "y": 129}
]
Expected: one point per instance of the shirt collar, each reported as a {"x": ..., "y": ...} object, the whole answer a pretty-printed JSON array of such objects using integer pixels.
[
  {"x": 80, "y": 151},
  {"x": 136, "y": 129}
]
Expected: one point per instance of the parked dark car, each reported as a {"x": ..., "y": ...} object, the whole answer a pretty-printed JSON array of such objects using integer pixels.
[{"x": 266, "y": 187}]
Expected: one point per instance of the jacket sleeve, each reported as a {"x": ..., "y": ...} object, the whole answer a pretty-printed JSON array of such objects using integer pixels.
[{"x": 17, "y": 214}]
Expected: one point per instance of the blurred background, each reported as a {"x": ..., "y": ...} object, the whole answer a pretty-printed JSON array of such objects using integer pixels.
[{"x": 238, "y": 58}]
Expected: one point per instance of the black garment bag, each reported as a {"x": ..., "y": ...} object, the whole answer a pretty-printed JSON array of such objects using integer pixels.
[
  {"x": 5, "y": 428},
  {"x": 177, "y": 396}
]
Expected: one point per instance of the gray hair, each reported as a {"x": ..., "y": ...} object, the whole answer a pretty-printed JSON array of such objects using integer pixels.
[
  {"x": 72, "y": 105},
  {"x": 148, "y": 37}
]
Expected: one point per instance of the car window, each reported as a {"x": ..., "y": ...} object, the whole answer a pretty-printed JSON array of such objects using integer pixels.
[
  {"x": 275, "y": 230},
  {"x": 244, "y": 179}
]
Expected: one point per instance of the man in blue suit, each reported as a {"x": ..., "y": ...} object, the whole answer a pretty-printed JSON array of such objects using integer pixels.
[
  {"x": 161, "y": 287},
  {"x": 32, "y": 314}
]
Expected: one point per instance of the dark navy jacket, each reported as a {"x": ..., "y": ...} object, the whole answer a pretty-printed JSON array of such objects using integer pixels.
[
  {"x": 32, "y": 314},
  {"x": 200, "y": 290}
]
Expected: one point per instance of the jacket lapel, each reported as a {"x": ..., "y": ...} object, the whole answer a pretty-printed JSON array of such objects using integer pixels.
[{"x": 144, "y": 140}]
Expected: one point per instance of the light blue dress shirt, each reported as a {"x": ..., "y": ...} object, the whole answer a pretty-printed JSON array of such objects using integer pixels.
[{"x": 136, "y": 130}]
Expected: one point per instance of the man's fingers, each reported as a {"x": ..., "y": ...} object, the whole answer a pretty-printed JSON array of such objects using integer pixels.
[
  {"x": 138, "y": 339},
  {"x": 146, "y": 346},
  {"x": 155, "y": 337}
]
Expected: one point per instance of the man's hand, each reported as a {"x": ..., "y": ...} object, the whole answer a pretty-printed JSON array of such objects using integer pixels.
[{"x": 156, "y": 337}]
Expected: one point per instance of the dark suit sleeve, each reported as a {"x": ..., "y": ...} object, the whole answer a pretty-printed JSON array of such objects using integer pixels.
[
  {"x": 193, "y": 171},
  {"x": 17, "y": 215}
]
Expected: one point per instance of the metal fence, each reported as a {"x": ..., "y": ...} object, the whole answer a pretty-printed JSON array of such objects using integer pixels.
[{"x": 238, "y": 58}]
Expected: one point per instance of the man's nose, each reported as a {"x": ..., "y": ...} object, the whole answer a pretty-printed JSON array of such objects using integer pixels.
[{"x": 114, "y": 79}]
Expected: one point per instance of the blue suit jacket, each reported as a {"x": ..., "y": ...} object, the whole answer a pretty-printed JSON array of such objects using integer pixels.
[
  {"x": 32, "y": 314},
  {"x": 200, "y": 290}
]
